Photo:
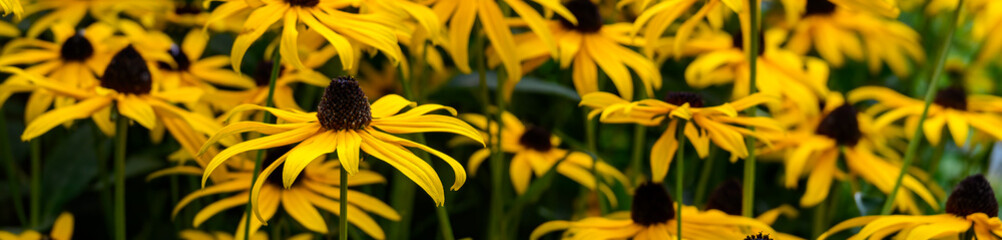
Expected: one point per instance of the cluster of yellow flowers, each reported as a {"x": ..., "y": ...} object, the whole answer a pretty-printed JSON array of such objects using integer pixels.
[{"x": 292, "y": 126}]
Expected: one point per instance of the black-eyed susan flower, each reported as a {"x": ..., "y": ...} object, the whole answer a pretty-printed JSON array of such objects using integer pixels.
[
  {"x": 657, "y": 16},
  {"x": 317, "y": 187},
  {"x": 536, "y": 151},
  {"x": 951, "y": 109},
  {"x": 586, "y": 47},
  {"x": 461, "y": 14},
  {"x": 62, "y": 229},
  {"x": 652, "y": 216},
  {"x": 720, "y": 124},
  {"x": 343, "y": 30},
  {"x": 837, "y": 33},
  {"x": 971, "y": 207},
  {"x": 72, "y": 12},
  {"x": 727, "y": 198},
  {"x": 190, "y": 69},
  {"x": 813, "y": 148},
  {"x": 345, "y": 122}
]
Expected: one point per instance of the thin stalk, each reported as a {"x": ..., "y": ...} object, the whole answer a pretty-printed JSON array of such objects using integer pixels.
[
  {"x": 497, "y": 160},
  {"x": 636, "y": 159},
  {"x": 679, "y": 174},
  {"x": 8, "y": 157},
  {"x": 35, "y": 195},
  {"x": 121, "y": 133},
  {"x": 819, "y": 218},
  {"x": 343, "y": 220},
  {"x": 276, "y": 68},
  {"x": 930, "y": 93},
  {"x": 751, "y": 43},
  {"x": 704, "y": 177}
]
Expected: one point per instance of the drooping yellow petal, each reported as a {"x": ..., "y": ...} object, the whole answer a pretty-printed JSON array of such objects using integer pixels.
[
  {"x": 958, "y": 127},
  {"x": 219, "y": 206},
  {"x": 362, "y": 200},
  {"x": 289, "y": 46},
  {"x": 299, "y": 208},
  {"x": 344, "y": 50},
  {"x": 406, "y": 163},
  {"x": 53, "y": 118},
  {"x": 281, "y": 139},
  {"x": 348, "y": 143},
  {"x": 390, "y": 104},
  {"x": 257, "y": 23},
  {"x": 355, "y": 216},
  {"x": 137, "y": 109},
  {"x": 228, "y": 186},
  {"x": 520, "y": 173},
  {"x": 307, "y": 151},
  {"x": 63, "y": 227},
  {"x": 663, "y": 152},
  {"x": 497, "y": 31}
]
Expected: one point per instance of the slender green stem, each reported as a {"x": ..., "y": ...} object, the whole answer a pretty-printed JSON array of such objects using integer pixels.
[
  {"x": 497, "y": 161},
  {"x": 930, "y": 93},
  {"x": 444, "y": 223},
  {"x": 819, "y": 219},
  {"x": 343, "y": 220},
  {"x": 121, "y": 132},
  {"x": 679, "y": 174},
  {"x": 637, "y": 157},
  {"x": 752, "y": 44},
  {"x": 704, "y": 177},
  {"x": 36, "y": 182},
  {"x": 12, "y": 180},
  {"x": 276, "y": 68}
]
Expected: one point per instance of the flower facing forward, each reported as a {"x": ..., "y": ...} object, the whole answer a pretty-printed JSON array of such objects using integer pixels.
[
  {"x": 587, "y": 47},
  {"x": 653, "y": 217},
  {"x": 720, "y": 124},
  {"x": 62, "y": 229},
  {"x": 536, "y": 151},
  {"x": 971, "y": 207},
  {"x": 952, "y": 109},
  {"x": 345, "y": 122}
]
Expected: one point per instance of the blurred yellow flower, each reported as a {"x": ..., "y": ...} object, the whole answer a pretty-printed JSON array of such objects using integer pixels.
[{"x": 62, "y": 229}]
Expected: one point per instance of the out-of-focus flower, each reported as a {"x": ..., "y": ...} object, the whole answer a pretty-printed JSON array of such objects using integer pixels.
[
  {"x": 71, "y": 12},
  {"x": 62, "y": 229}
]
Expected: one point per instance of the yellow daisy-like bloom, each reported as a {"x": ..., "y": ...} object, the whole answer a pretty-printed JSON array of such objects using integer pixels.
[
  {"x": 345, "y": 122},
  {"x": 657, "y": 16},
  {"x": 190, "y": 69},
  {"x": 653, "y": 217},
  {"x": 341, "y": 29},
  {"x": 971, "y": 207},
  {"x": 836, "y": 32},
  {"x": 727, "y": 198},
  {"x": 318, "y": 187},
  {"x": 814, "y": 148},
  {"x": 62, "y": 229},
  {"x": 461, "y": 15},
  {"x": 71, "y": 12},
  {"x": 951, "y": 109},
  {"x": 12, "y": 6},
  {"x": 536, "y": 151},
  {"x": 191, "y": 234},
  {"x": 781, "y": 73},
  {"x": 720, "y": 124},
  {"x": 588, "y": 45}
]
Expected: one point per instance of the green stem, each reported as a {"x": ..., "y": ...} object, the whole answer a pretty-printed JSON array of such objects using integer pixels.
[
  {"x": 444, "y": 223},
  {"x": 819, "y": 218},
  {"x": 497, "y": 160},
  {"x": 343, "y": 220},
  {"x": 704, "y": 177},
  {"x": 679, "y": 174},
  {"x": 930, "y": 93},
  {"x": 752, "y": 44},
  {"x": 36, "y": 182},
  {"x": 12, "y": 180},
  {"x": 276, "y": 68},
  {"x": 636, "y": 159},
  {"x": 121, "y": 133}
]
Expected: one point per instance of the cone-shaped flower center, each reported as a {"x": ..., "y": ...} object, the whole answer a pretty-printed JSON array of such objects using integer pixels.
[
  {"x": 276, "y": 176},
  {"x": 738, "y": 41},
  {"x": 262, "y": 73},
  {"x": 973, "y": 195},
  {"x": 651, "y": 205},
  {"x": 179, "y": 57},
  {"x": 76, "y": 48},
  {"x": 680, "y": 98},
  {"x": 819, "y": 7},
  {"x": 758, "y": 236},
  {"x": 536, "y": 138},
  {"x": 952, "y": 97},
  {"x": 841, "y": 125},
  {"x": 344, "y": 106},
  {"x": 726, "y": 198},
  {"x": 589, "y": 19},
  {"x": 303, "y": 3},
  {"x": 127, "y": 73}
]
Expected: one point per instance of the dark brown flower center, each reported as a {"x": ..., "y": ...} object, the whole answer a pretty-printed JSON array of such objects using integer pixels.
[
  {"x": 726, "y": 198},
  {"x": 841, "y": 125},
  {"x": 651, "y": 205},
  {"x": 589, "y": 18},
  {"x": 536, "y": 138},
  {"x": 738, "y": 41},
  {"x": 819, "y": 7},
  {"x": 303, "y": 3},
  {"x": 344, "y": 106},
  {"x": 76, "y": 48},
  {"x": 973, "y": 195},
  {"x": 262, "y": 73},
  {"x": 952, "y": 97},
  {"x": 179, "y": 57},
  {"x": 681, "y": 98},
  {"x": 127, "y": 73},
  {"x": 758, "y": 236}
]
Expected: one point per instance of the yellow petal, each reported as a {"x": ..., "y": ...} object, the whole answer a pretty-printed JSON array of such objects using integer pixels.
[
  {"x": 348, "y": 143},
  {"x": 958, "y": 127},
  {"x": 281, "y": 139},
  {"x": 344, "y": 50},
  {"x": 53, "y": 118},
  {"x": 63, "y": 227},
  {"x": 306, "y": 152},
  {"x": 300, "y": 209},
  {"x": 663, "y": 152},
  {"x": 219, "y": 206},
  {"x": 520, "y": 173},
  {"x": 137, "y": 109}
]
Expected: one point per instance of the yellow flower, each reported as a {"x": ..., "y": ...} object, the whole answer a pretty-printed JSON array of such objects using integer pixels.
[
  {"x": 321, "y": 16},
  {"x": 653, "y": 217},
  {"x": 655, "y": 19},
  {"x": 536, "y": 151},
  {"x": 345, "y": 122},
  {"x": 71, "y": 12},
  {"x": 190, "y": 69},
  {"x": 191, "y": 234},
  {"x": 727, "y": 197},
  {"x": 12, "y": 6},
  {"x": 721, "y": 124},
  {"x": 836, "y": 33},
  {"x": 191, "y": 15},
  {"x": 461, "y": 15},
  {"x": 589, "y": 45},
  {"x": 984, "y": 29},
  {"x": 814, "y": 147},
  {"x": 318, "y": 187},
  {"x": 971, "y": 207},
  {"x": 62, "y": 229},
  {"x": 951, "y": 109}
]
